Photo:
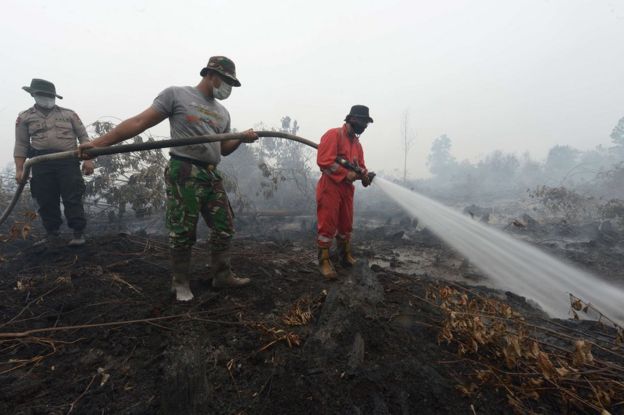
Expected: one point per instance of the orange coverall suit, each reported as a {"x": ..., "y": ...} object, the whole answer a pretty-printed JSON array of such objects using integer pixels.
[{"x": 334, "y": 194}]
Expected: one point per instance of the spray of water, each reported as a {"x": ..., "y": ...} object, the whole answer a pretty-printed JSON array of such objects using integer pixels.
[{"x": 510, "y": 264}]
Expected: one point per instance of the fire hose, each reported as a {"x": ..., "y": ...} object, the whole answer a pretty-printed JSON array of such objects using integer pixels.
[{"x": 150, "y": 145}]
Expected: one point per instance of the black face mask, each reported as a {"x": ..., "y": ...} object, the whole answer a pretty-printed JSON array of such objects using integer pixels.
[{"x": 358, "y": 127}]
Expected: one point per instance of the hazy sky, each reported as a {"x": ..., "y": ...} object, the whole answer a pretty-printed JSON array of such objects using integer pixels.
[{"x": 491, "y": 74}]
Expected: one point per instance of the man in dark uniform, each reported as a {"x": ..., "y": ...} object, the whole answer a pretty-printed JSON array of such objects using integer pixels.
[{"x": 43, "y": 129}]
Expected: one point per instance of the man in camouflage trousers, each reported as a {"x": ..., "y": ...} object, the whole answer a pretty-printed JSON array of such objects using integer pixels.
[
  {"x": 191, "y": 191},
  {"x": 193, "y": 183},
  {"x": 46, "y": 128}
]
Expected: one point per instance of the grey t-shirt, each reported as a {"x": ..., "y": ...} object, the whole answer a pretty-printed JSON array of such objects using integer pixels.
[{"x": 191, "y": 114}]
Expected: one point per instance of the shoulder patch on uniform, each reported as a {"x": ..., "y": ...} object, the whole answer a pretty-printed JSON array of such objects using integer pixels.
[
  {"x": 71, "y": 113},
  {"x": 23, "y": 114}
]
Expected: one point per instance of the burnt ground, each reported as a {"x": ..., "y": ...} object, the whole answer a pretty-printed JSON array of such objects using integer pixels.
[{"x": 95, "y": 330}]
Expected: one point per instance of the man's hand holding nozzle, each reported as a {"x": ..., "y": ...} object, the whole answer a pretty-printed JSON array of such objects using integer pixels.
[
  {"x": 367, "y": 178},
  {"x": 351, "y": 176}
]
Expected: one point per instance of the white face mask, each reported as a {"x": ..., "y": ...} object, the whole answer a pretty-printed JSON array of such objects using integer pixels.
[
  {"x": 45, "y": 102},
  {"x": 223, "y": 91}
]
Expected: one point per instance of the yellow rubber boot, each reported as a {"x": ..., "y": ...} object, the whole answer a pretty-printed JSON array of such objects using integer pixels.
[
  {"x": 325, "y": 266},
  {"x": 344, "y": 252}
]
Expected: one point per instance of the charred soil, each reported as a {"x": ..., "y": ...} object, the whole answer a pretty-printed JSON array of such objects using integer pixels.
[{"x": 96, "y": 330}]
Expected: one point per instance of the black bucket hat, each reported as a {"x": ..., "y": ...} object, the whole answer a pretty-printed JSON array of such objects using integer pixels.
[
  {"x": 359, "y": 111},
  {"x": 41, "y": 86},
  {"x": 223, "y": 66}
]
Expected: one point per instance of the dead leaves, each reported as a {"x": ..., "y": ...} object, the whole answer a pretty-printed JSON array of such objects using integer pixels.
[
  {"x": 492, "y": 334},
  {"x": 512, "y": 351},
  {"x": 545, "y": 366},
  {"x": 277, "y": 335},
  {"x": 471, "y": 320},
  {"x": 582, "y": 353},
  {"x": 302, "y": 311},
  {"x": 20, "y": 229},
  {"x": 576, "y": 304}
]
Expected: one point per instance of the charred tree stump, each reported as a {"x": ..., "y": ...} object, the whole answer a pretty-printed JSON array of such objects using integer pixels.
[
  {"x": 343, "y": 331},
  {"x": 352, "y": 299}
]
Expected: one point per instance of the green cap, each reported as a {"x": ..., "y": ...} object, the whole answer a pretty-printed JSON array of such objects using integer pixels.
[
  {"x": 223, "y": 66},
  {"x": 41, "y": 86}
]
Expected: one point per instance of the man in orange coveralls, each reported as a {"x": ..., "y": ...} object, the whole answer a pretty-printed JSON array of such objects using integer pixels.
[{"x": 334, "y": 191}]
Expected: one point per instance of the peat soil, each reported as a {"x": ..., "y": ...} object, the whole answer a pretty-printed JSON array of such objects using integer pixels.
[{"x": 95, "y": 330}]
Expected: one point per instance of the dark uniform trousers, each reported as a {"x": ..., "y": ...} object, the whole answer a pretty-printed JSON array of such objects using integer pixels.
[{"x": 55, "y": 180}]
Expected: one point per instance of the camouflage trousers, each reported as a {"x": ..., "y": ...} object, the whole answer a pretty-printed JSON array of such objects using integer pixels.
[{"x": 191, "y": 191}]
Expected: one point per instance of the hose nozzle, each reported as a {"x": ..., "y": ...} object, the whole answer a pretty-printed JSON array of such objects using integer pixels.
[{"x": 367, "y": 178}]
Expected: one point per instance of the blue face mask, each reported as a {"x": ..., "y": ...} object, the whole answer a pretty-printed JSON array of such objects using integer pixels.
[{"x": 45, "y": 102}]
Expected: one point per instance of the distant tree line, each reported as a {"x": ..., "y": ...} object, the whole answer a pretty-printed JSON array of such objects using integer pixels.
[{"x": 597, "y": 172}]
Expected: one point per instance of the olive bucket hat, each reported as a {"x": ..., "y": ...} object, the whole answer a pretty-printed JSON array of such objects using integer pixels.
[
  {"x": 223, "y": 66},
  {"x": 41, "y": 86},
  {"x": 359, "y": 111}
]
